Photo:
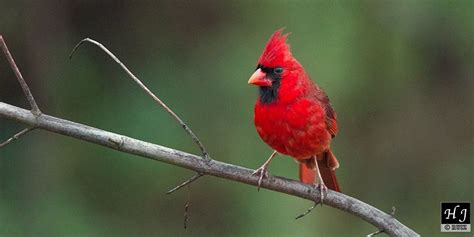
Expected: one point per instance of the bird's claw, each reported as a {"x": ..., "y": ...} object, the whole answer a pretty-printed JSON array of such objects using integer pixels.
[
  {"x": 262, "y": 173},
  {"x": 322, "y": 191}
]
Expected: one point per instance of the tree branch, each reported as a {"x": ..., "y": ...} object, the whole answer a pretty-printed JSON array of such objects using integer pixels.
[
  {"x": 186, "y": 128},
  {"x": 187, "y": 182},
  {"x": 34, "y": 107},
  {"x": 383, "y": 221},
  {"x": 16, "y": 136}
]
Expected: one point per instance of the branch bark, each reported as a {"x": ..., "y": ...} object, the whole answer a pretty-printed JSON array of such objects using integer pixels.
[
  {"x": 29, "y": 96},
  {"x": 383, "y": 221}
]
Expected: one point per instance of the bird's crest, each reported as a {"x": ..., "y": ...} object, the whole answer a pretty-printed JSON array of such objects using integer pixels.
[{"x": 277, "y": 51}]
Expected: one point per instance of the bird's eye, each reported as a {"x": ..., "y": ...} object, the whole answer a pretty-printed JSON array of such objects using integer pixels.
[{"x": 278, "y": 70}]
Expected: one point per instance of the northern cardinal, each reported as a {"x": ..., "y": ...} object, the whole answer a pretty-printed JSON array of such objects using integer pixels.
[{"x": 293, "y": 115}]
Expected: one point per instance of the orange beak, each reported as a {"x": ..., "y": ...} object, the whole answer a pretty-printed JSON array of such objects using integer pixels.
[{"x": 259, "y": 78}]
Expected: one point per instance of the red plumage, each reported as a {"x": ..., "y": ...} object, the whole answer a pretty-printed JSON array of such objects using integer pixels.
[{"x": 292, "y": 114}]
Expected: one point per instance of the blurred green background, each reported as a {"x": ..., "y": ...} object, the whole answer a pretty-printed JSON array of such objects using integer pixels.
[{"x": 399, "y": 74}]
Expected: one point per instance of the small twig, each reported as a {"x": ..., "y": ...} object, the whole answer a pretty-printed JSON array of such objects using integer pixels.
[
  {"x": 186, "y": 208},
  {"x": 185, "y": 183},
  {"x": 34, "y": 107},
  {"x": 375, "y": 233},
  {"x": 392, "y": 213},
  {"x": 307, "y": 211},
  {"x": 188, "y": 130},
  {"x": 16, "y": 136}
]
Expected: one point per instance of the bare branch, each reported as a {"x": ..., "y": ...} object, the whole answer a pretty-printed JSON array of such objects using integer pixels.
[
  {"x": 186, "y": 208},
  {"x": 307, "y": 211},
  {"x": 375, "y": 233},
  {"x": 392, "y": 213},
  {"x": 185, "y": 183},
  {"x": 34, "y": 107},
  {"x": 379, "y": 219},
  {"x": 16, "y": 136},
  {"x": 188, "y": 130},
  {"x": 186, "y": 213}
]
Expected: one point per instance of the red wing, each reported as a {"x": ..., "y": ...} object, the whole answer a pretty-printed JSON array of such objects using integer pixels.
[
  {"x": 321, "y": 96},
  {"x": 331, "y": 121}
]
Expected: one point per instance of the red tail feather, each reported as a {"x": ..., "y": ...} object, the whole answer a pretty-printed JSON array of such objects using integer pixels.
[
  {"x": 307, "y": 174},
  {"x": 327, "y": 165},
  {"x": 329, "y": 177}
]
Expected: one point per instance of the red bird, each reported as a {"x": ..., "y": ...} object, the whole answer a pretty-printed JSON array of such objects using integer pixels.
[{"x": 293, "y": 115}]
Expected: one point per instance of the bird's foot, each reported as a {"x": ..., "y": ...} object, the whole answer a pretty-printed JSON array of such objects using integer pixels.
[
  {"x": 323, "y": 189},
  {"x": 322, "y": 193},
  {"x": 262, "y": 173}
]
